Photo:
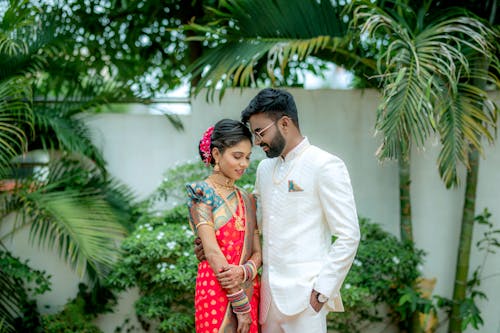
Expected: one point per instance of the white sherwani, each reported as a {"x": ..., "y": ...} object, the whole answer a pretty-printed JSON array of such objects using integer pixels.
[{"x": 303, "y": 201}]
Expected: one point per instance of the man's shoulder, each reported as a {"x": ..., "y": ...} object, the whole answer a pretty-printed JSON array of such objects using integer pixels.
[{"x": 319, "y": 155}]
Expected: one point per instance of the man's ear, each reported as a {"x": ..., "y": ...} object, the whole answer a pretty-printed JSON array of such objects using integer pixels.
[{"x": 285, "y": 123}]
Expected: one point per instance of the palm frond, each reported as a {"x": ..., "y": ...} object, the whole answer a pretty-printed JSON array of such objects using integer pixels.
[
  {"x": 421, "y": 70},
  {"x": 16, "y": 119},
  {"x": 28, "y": 39},
  {"x": 470, "y": 118},
  {"x": 60, "y": 120},
  {"x": 16, "y": 279},
  {"x": 10, "y": 301},
  {"x": 75, "y": 212},
  {"x": 293, "y": 30}
]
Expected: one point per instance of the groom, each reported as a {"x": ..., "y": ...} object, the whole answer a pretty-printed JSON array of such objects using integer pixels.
[{"x": 304, "y": 197}]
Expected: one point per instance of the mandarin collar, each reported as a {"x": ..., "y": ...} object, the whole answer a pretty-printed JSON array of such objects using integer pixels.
[{"x": 296, "y": 151}]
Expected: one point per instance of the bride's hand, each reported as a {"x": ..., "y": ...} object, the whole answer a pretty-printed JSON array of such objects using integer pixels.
[
  {"x": 244, "y": 322},
  {"x": 230, "y": 276}
]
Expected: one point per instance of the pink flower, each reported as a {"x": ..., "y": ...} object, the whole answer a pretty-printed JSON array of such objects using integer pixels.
[{"x": 205, "y": 145}]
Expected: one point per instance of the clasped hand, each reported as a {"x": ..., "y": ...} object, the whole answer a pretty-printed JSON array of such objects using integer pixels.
[{"x": 230, "y": 276}]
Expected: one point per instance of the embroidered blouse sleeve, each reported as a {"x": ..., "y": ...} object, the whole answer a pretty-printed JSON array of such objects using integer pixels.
[{"x": 199, "y": 205}]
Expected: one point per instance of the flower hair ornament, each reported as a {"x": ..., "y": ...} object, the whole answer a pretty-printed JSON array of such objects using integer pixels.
[{"x": 205, "y": 142}]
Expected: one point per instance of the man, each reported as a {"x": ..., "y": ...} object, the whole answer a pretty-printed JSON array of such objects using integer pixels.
[{"x": 304, "y": 198}]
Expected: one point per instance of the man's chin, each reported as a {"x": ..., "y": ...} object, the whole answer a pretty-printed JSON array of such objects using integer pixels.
[{"x": 272, "y": 154}]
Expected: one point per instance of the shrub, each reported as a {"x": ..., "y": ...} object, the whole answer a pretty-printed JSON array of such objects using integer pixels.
[
  {"x": 77, "y": 315},
  {"x": 383, "y": 272},
  {"x": 159, "y": 260},
  {"x": 20, "y": 284}
]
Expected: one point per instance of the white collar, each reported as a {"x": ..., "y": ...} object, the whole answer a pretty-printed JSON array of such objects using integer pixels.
[{"x": 296, "y": 151}]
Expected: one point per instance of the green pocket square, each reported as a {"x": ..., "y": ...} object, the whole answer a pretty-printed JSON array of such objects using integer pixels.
[{"x": 293, "y": 187}]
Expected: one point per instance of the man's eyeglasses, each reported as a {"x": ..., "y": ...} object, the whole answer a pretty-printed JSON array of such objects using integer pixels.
[{"x": 259, "y": 134}]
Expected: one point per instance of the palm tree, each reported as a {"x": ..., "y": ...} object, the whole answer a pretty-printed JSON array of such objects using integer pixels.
[
  {"x": 423, "y": 68},
  {"x": 460, "y": 109},
  {"x": 73, "y": 206}
]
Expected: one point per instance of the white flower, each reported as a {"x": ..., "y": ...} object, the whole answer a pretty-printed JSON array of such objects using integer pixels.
[
  {"x": 172, "y": 266},
  {"x": 356, "y": 262},
  {"x": 185, "y": 254},
  {"x": 347, "y": 286},
  {"x": 171, "y": 245},
  {"x": 137, "y": 236},
  {"x": 395, "y": 260}
]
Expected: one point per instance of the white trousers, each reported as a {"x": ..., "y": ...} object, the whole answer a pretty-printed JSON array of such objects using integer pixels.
[{"x": 307, "y": 321}]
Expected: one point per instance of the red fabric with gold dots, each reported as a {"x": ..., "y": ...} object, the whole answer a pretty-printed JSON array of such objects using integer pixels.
[{"x": 211, "y": 305}]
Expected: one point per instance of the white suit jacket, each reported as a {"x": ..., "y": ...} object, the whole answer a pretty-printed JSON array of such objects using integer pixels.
[{"x": 302, "y": 202}]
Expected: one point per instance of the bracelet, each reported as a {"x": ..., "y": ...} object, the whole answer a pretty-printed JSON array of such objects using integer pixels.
[
  {"x": 254, "y": 268},
  {"x": 239, "y": 302},
  {"x": 245, "y": 276},
  {"x": 249, "y": 270}
]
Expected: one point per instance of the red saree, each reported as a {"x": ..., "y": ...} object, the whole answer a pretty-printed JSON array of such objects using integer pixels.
[{"x": 213, "y": 313}]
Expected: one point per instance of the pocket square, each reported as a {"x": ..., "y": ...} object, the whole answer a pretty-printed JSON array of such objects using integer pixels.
[{"x": 294, "y": 187}]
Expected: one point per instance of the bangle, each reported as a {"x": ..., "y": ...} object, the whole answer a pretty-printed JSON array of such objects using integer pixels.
[
  {"x": 254, "y": 266},
  {"x": 239, "y": 302},
  {"x": 244, "y": 273},
  {"x": 250, "y": 270}
]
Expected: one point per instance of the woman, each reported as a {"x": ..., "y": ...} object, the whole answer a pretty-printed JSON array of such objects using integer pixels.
[{"x": 223, "y": 216}]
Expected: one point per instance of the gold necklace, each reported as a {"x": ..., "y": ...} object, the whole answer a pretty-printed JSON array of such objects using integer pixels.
[
  {"x": 238, "y": 221},
  {"x": 219, "y": 179},
  {"x": 294, "y": 162}
]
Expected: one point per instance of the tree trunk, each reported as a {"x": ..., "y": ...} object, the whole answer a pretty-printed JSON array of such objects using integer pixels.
[
  {"x": 405, "y": 225},
  {"x": 464, "y": 247},
  {"x": 406, "y": 229}
]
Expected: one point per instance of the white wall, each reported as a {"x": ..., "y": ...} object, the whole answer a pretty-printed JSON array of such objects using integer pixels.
[{"x": 139, "y": 148}]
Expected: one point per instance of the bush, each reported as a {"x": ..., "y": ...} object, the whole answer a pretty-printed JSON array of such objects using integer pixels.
[
  {"x": 19, "y": 285},
  {"x": 383, "y": 272},
  {"x": 77, "y": 315},
  {"x": 159, "y": 260}
]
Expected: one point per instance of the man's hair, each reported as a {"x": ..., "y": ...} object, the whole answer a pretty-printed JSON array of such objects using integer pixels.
[{"x": 274, "y": 102}]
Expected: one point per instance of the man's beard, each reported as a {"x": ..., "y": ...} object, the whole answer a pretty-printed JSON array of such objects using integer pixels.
[{"x": 276, "y": 146}]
